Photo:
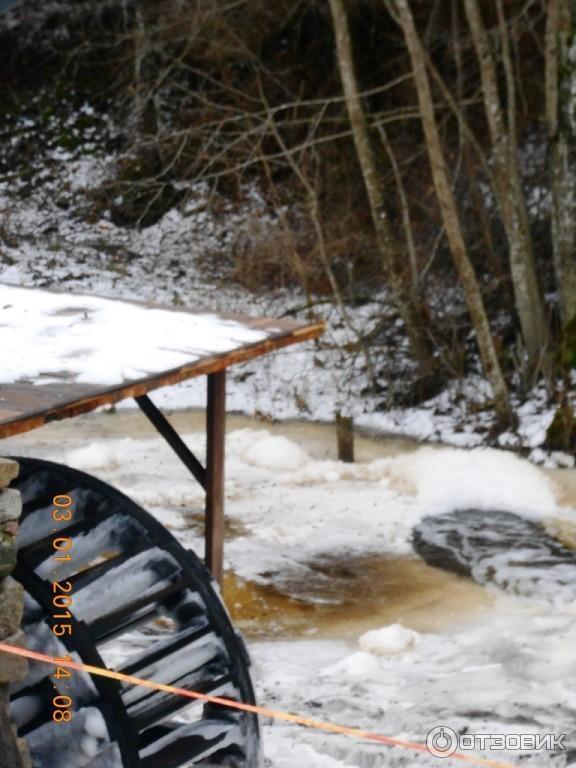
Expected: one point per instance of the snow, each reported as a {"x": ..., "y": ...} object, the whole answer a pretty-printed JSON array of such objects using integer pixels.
[
  {"x": 503, "y": 667},
  {"x": 483, "y": 677},
  {"x": 296, "y": 507},
  {"x": 49, "y": 242},
  {"x": 47, "y": 337},
  {"x": 508, "y": 668},
  {"x": 360, "y": 664},
  {"x": 275, "y": 452},
  {"x": 482, "y": 478},
  {"x": 98, "y": 456},
  {"x": 391, "y": 639},
  {"x": 563, "y": 460}
]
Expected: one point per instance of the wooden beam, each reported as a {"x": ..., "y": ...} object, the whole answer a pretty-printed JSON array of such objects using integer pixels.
[
  {"x": 163, "y": 426},
  {"x": 215, "y": 437}
]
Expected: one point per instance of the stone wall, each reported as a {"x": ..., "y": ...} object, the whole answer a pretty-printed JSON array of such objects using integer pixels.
[{"x": 13, "y": 752}]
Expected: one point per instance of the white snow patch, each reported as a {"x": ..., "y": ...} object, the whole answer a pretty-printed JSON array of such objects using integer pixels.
[
  {"x": 511, "y": 663},
  {"x": 482, "y": 478},
  {"x": 360, "y": 664},
  {"x": 97, "y": 456},
  {"x": 391, "y": 639},
  {"x": 276, "y": 452},
  {"x": 50, "y": 337}
]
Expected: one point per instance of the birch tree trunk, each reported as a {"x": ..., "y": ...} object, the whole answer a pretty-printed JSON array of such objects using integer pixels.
[
  {"x": 388, "y": 246},
  {"x": 561, "y": 124},
  {"x": 508, "y": 183},
  {"x": 451, "y": 219}
]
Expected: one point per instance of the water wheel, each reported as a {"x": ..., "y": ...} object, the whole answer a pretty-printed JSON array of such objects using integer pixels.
[{"x": 141, "y": 604}]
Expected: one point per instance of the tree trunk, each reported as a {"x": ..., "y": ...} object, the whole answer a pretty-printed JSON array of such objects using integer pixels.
[
  {"x": 561, "y": 124},
  {"x": 508, "y": 184},
  {"x": 387, "y": 244},
  {"x": 451, "y": 219}
]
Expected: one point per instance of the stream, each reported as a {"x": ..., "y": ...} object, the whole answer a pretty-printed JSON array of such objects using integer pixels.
[{"x": 472, "y": 553}]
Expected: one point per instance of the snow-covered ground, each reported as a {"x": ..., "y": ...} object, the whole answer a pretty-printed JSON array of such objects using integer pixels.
[
  {"x": 47, "y": 239},
  {"x": 475, "y": 658},
  {"x": 499, "y": 663}
]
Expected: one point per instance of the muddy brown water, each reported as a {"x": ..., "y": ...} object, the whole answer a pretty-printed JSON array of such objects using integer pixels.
[
  {"x": 339, "y": 596},
  {"x": 317, "y": 438},
  {"x": 355, "y": 595}
]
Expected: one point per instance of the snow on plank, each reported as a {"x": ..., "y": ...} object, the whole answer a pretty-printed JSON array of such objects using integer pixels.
[{"x": 67, "y": 354}]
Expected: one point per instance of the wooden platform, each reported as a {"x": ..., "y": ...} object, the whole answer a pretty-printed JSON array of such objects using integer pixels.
[
  {"x": 60, "y": 390},
  {"x": 67, "y": 354}
]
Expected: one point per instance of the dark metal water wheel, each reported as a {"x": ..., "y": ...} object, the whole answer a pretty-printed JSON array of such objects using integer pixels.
[{"x": 142, "y": 604}]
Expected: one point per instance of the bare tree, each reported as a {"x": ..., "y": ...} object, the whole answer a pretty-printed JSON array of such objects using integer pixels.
[
  {"x": 450, "y": 215},
  {"x": 507, "y": 179},
  {"x": 387, "y": 242},
  {"x": 561, "y": 123},
  {"x": 405, "y": 211}
]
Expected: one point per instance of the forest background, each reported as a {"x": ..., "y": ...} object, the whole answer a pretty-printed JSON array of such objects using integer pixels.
[{"x": 412, "y": 156}]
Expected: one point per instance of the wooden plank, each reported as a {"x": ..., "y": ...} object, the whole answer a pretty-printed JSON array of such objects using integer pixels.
[
  {"x": 37, "y": 405},
  {"x": 215, "y": 439}
]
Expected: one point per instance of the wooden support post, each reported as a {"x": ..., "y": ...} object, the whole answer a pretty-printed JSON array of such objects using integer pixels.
[
  {"x": 215, "y": 436},
  {"x": 345, "y": 436}
]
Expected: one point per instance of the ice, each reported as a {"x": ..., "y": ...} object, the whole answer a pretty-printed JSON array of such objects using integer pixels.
[
  {"x": 25, "y": 709},
  {"x": 39, "y": 637},
  {"x": 293, "y": 515},
  {"x": 391, "y": 639},
  {"x": 37, "y": 525},
  {"x": 561, "y": 459},
  {"x": 95, "y": 724},
  {"x": 142, "y": 575},
  {"x": 188, "y": 662},
  {"x": 217, "y": 734},
  {"x": 76, "y": 744},
  {"x": 508, "y": 672},
  {"x": 108, "y": 757},
  {"x": 504, "y": 668},
  {"x": 500, "y": 548},
  {"x": 106, "y": 537},
  {"x": 285, "y": 752}
]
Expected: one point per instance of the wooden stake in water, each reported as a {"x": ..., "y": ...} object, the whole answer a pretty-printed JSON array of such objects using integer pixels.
[{"x": 345, "y": 436}]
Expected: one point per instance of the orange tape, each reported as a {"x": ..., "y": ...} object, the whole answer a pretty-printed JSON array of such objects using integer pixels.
[{"x": 273, "y": 713}]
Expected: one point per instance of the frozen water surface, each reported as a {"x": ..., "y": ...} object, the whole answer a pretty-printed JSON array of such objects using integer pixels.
[{"x": 501, "y": 664}]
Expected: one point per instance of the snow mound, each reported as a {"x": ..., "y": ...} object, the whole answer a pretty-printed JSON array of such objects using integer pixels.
[
  {"x": 95, "y": 456},
  {"x": 276, "y": 452},
  {"x": 482, "y": 478},
  {"x": 391, "y": 639},
  {"x": 361, "y": 665}
]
